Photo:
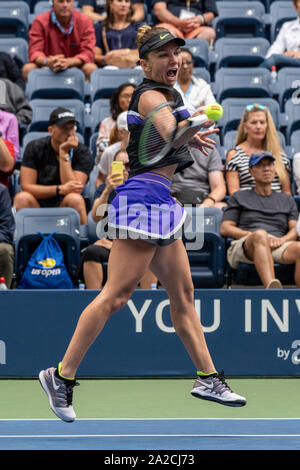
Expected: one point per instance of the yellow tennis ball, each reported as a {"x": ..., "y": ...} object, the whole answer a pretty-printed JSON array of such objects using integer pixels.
[{"x": 214, "y": 111}]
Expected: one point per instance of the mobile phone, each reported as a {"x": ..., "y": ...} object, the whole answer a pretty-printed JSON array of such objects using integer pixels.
[{"x": 117, "y": 167}]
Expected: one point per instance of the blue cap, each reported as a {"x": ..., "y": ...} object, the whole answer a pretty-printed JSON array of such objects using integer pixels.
[{"x": 258, "y": 156}]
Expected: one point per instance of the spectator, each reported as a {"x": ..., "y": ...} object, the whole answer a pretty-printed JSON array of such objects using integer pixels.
[
  {"x": 55, "y": 168},
  {"x": 94, "y": 255},
  {"x": 196, "y": 91},
  {"x": 263, "y": 224},
  {"x": 10, "y": 131},
  {"x": 119, "y": 102},
  {"x": 202, "y": 183},
  {"x": 61, "y": 38},
  {"x": 95, "y": 9},
  {"x": 7, "y": 159},
  {"x": 285, "y": 50},
  {"x": 118, "y": 143},
  {"x": 10, "y": 67},
  {"x": 7, "y": 228},
  {"x": 184, "y": 20},
  {"x": 256, "y": 132},
  {"x": 116, "y": 36},
  {"x": 13, "y": 100}
]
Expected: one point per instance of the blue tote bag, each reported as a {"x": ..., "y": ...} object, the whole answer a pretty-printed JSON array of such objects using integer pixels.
[{"x": 46, "y": 268}]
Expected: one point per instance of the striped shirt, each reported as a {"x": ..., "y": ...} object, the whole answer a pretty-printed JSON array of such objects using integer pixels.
[{"x": 240, "y": 163}]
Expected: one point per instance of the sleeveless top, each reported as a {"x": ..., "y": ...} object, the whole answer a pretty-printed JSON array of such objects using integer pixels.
[
  {"x": 181, "y": 155},
  {"x": 240, "y": 163}
]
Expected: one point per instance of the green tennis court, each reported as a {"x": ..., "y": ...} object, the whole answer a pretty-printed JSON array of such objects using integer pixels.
[{"x": 152, "y": 398}]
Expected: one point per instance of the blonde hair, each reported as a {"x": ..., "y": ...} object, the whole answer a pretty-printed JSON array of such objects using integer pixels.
[
  {"x": 270, "y": 142},
  {"x": 146, "y": 32}
]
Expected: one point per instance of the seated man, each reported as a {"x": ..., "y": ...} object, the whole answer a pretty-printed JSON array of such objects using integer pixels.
[
  {"x": 55, "y": 169},
  {"x": 93, "y": 256},
  {"x": 7, "y": 228},
  {"x": 263, "y": 224},
  {"x": 61, "y": 38},
  {"x": 186, "y": 19},
  {"x": 203, "y": 182}
]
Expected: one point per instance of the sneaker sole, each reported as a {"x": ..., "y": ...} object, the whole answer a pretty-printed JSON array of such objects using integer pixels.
[
  {"x": 217, "y": 400},
  {"x": 47, "y": 391}
]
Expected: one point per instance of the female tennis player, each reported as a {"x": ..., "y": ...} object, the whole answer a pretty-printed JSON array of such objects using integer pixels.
[{"x": 153, "y": 242}]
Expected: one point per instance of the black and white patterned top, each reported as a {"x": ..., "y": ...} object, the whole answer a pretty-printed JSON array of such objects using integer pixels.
[{"x": 240, "y": 163}]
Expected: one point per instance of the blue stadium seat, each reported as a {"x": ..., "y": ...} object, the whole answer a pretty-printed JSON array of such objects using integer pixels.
[
  {"x": 92, "y": 144},
  {"x": 292, "y": 116},
  {"x": 230, "y": 137},
  {"x": 42, "y": 109},
  {"x": 240, "y": 52},
  {"x": 200, "y": 50},
  {"x": 100, "y": 110},
  {"x": 14, "y": 19},
  {"x": 29, "y": 136},
  {"x": 45, "y": 84},
  {"x": 233, "y": 109},
  {"x": 242, "y": 82},
  {"x": 288, "y": 84},
  {"x": 15, "y": 47},
  {"x": 240, "y": 19},
  {"x": 246, "y": 274},
  {"x": 208, "y": 263},
  {"x": 104, "y": 81},
  {"x": 65, "y": 222},
  {"x": 280, "y": 12},
  {"x": 201, "y": 72}
]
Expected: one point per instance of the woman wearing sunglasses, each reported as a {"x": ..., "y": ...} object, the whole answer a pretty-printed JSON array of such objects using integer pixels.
[{"x": 256, "y": 133}]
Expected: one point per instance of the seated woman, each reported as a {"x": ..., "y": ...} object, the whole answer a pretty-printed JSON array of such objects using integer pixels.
[
  {"x": 119, "y": 103},
  {"x": 256, "y": 133},
  {"x": 116, "y": 36},
  {"x": 91, "y": 269}
]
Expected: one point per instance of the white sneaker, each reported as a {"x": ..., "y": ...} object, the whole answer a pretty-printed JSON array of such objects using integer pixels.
[{"x": 215, "y": 388}]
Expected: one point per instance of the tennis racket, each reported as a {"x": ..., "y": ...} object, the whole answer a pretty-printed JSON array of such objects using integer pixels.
[{"x": 161, "y": 133}]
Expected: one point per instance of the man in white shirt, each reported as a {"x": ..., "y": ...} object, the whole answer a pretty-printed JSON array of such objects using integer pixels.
[{"x": 285, "y": 51}]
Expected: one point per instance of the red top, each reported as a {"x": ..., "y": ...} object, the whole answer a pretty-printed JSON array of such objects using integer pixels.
[{"x": 46, "y": 39}]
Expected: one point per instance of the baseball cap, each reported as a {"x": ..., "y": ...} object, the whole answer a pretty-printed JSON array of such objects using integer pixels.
[
  {"x": 157, "y": 41},
  {"x": 258, "y": 156},
  {"x": 122, "y": 121},
  {"x": 60, "y": 116}
]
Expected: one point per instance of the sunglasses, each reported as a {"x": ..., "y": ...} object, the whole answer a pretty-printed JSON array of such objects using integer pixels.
[{"x": 250, "y": 107}]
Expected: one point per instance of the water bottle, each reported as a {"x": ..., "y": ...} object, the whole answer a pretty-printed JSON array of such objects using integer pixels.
[
  {"x": 3, "y": 285},
  {"x": 81, "y": 286},
  {"x": 154, "y": 286},
  {"x": 273, "y": 74},
  {"x": 88, "y": 109}
]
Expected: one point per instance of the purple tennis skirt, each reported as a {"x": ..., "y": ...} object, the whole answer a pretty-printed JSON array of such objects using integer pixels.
[{"x": 143, "y": 209}]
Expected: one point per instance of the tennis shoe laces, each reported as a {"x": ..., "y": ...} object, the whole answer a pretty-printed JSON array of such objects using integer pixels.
[
  {"x": 215, "y": 388},
  {"x": 59, "y": 392}
]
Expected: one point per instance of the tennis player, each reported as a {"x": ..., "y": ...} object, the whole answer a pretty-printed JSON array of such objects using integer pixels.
[{"x": 139, "y": 247}]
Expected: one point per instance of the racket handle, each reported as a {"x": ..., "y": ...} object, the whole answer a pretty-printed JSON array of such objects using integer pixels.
[{"x": 194, "y": 125}]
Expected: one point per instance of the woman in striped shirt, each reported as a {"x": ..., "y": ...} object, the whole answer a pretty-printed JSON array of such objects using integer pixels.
[{"x": 256, "y": 133}]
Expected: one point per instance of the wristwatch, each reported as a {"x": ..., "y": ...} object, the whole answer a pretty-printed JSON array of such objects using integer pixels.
[{"x": 66, "y": 158}]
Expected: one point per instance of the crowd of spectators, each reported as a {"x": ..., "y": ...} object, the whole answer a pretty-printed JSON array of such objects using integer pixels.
[{"x": 54, "y": 169}]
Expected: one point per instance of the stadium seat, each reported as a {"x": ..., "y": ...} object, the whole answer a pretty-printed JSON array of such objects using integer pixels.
[
  {"x": 280, "y": 12},
  {"x": 65, "y": 222},
  {"x": 233, "y": 109},
  {"x": 42, "y": 109},
  {"x": 288, "y": 84},
  {"x": 92, "y": 144},
  {"x": 207, "y": 263},
  {"x": 295, "y": 142},
  {"x": 45, "y": 84},
  {"x": 242, "y": 82},
  {"x": 14, "y": 19},
  {"x": 200, "y": 50},
  {"x": 292, "y": 117},
  {"x": 247, "y": 275},
  {"x": 15, "y": 47},
  {"x": 104, "y": 82},
  {"x": 241, "y": 52},
  {"x": 38, "y": 135},
  {"x": 230, "y": 137},
  {"x": 201, "y": 72},
  {"x": 100, "y": 110},
  {"x": 240, "y": 19}
]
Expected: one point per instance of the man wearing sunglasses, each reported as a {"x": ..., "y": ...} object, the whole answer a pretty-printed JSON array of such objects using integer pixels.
[
  {"x": 262, "y": 223},
  {"x": 285, "y": 51}
]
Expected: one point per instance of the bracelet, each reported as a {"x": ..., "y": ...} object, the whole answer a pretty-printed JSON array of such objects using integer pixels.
[
  {"x": 210, "y": 197},
  {"x": 202, "y": 19}
]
